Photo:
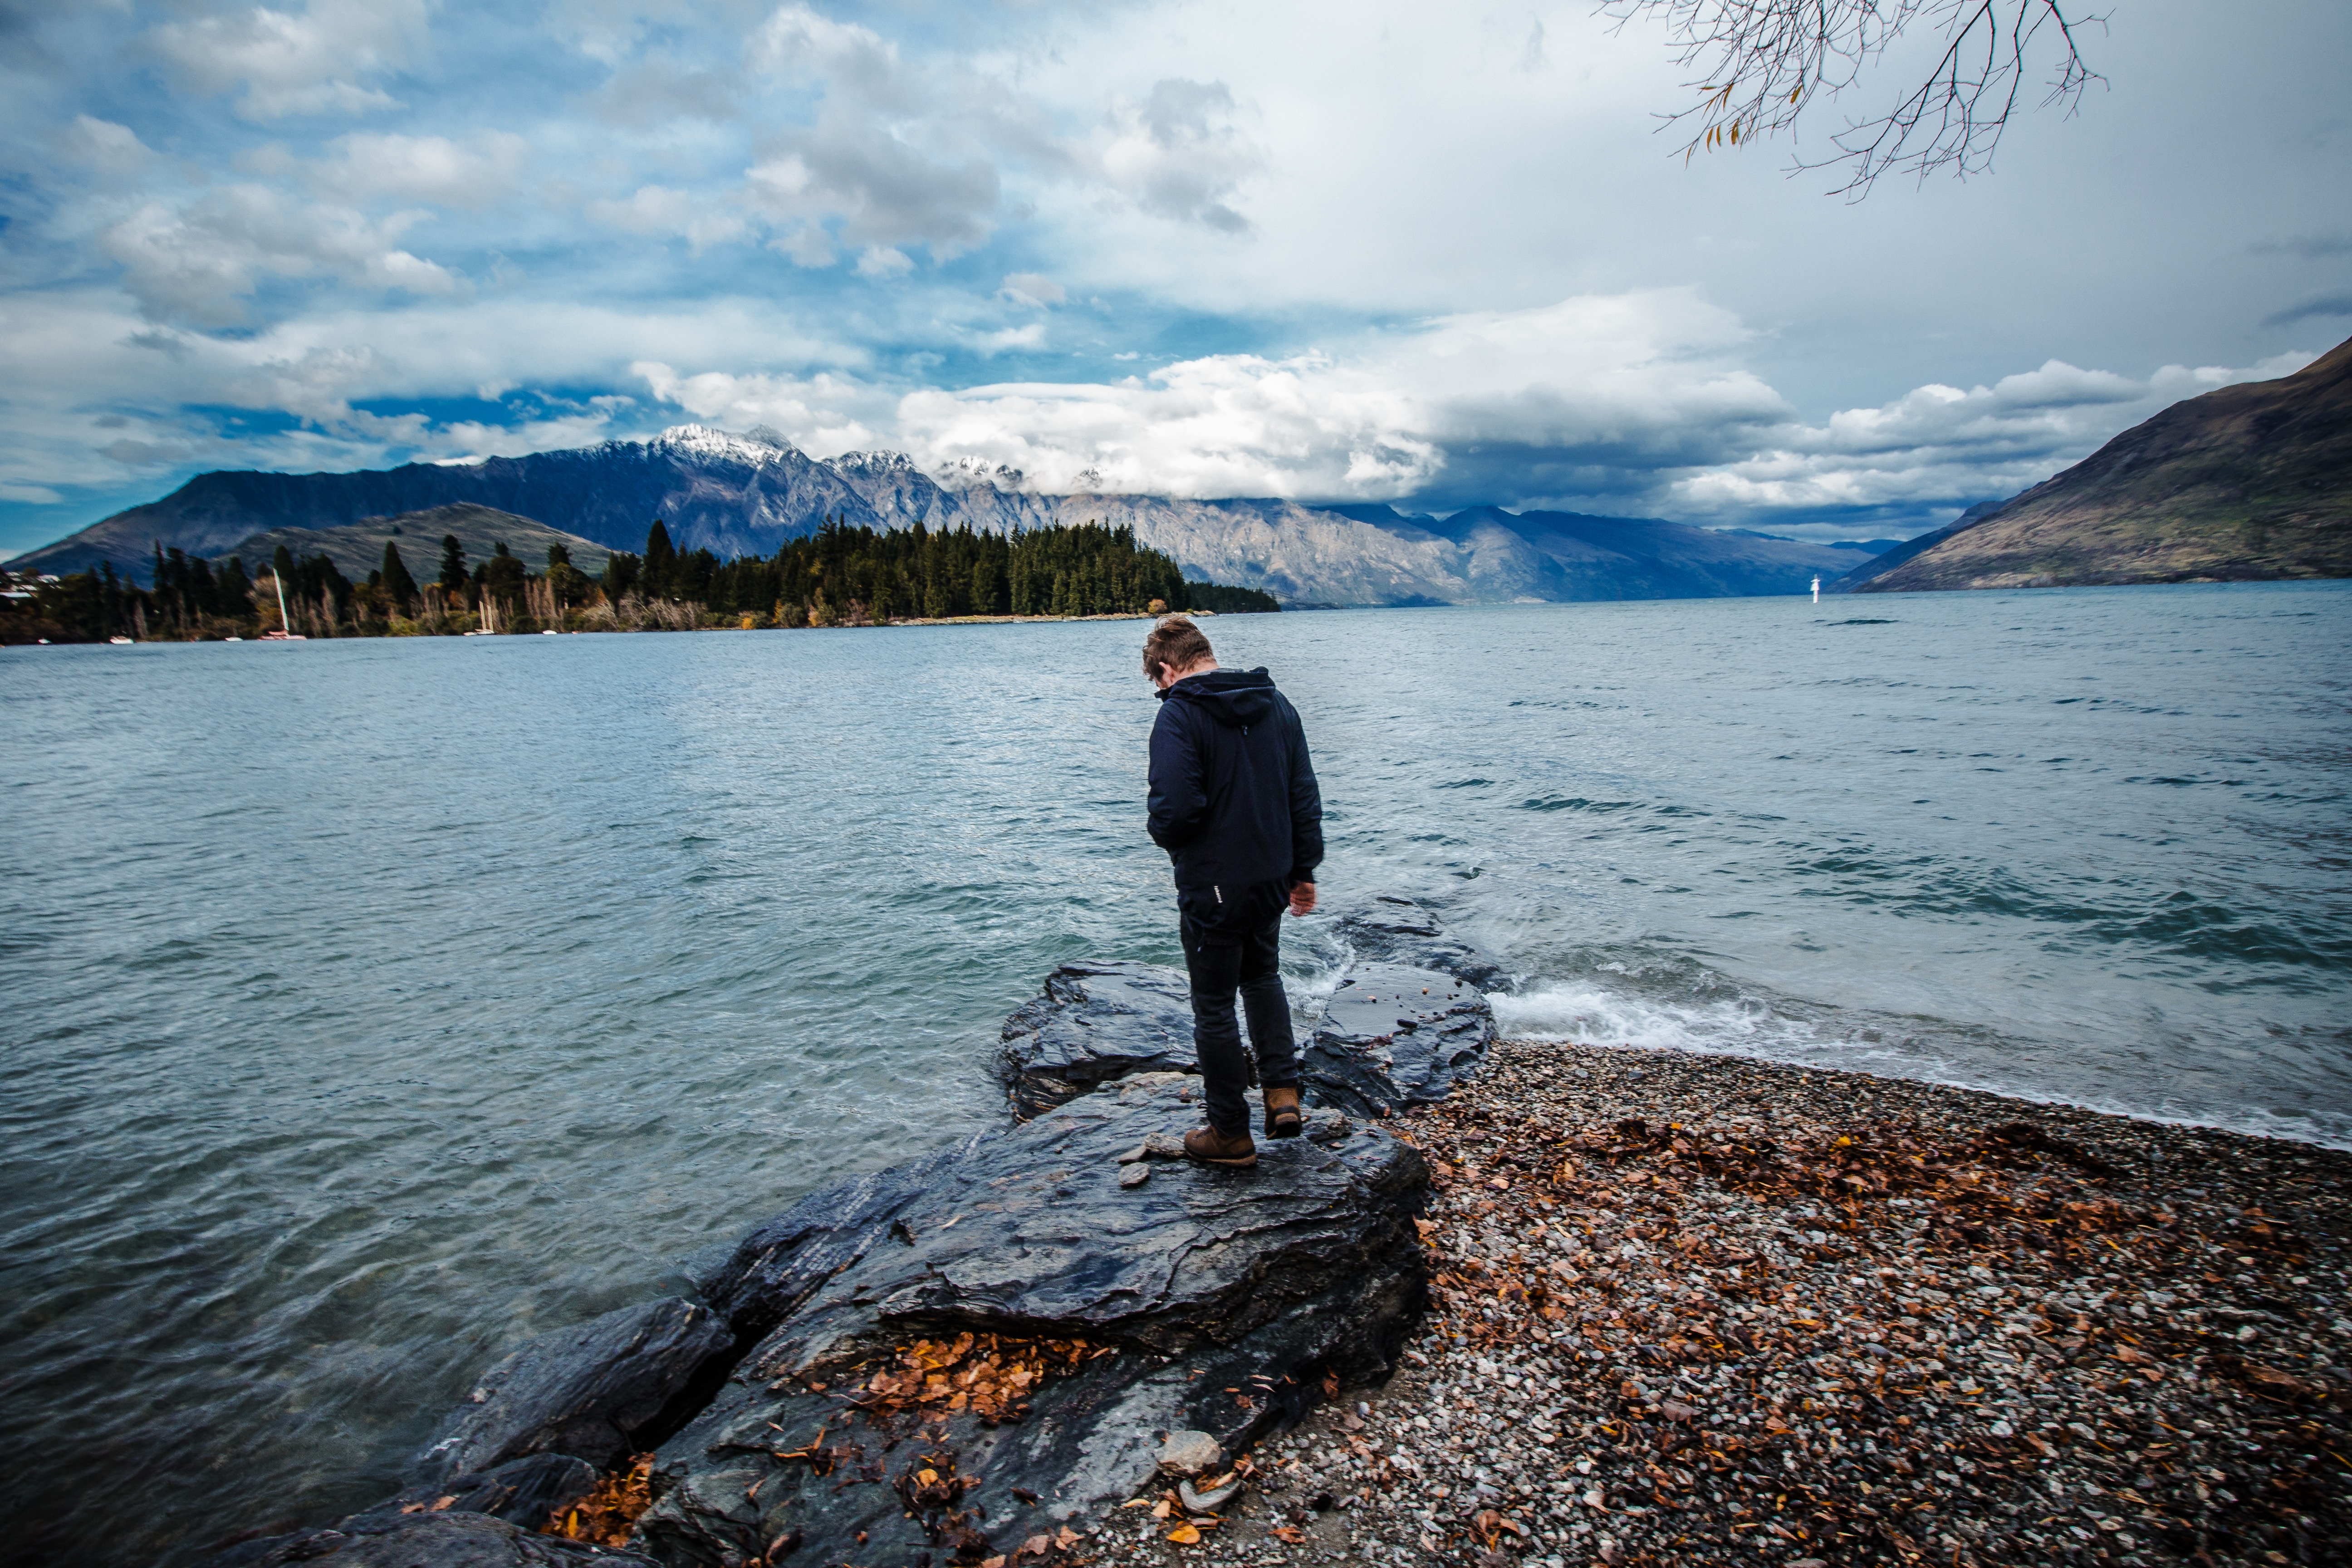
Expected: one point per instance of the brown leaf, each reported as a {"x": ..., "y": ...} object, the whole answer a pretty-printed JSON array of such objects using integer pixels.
[{"x": 1185, "y": 1535}]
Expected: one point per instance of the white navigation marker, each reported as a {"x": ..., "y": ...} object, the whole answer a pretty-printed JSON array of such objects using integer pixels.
[{"x": 1817, "y": 590}]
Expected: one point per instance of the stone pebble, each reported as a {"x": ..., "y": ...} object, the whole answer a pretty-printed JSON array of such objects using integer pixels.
[{"x": 1911, "y": 1324}]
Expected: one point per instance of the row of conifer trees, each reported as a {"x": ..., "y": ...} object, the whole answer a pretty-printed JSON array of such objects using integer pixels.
[{"x": 839, "y": 575}]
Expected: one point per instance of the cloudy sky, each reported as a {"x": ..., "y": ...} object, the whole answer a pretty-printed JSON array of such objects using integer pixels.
[{"x": 1433, "y": 254}]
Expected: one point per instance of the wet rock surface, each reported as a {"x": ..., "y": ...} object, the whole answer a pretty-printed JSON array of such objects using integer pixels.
[
  {"x": 1096, "y": 1021},
  {"x": 1388, "y": 929},
  {"x": 1393, "y": 1037},
  {"x": 972, "y": 1349},
  {"x": 447, "y": 1538},
  {"x": 528, "y": 1492},
  {"x": 598, "y": 1391}
]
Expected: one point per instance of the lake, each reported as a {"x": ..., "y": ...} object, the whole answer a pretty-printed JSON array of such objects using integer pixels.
[{"x": 374, "y": 1005}]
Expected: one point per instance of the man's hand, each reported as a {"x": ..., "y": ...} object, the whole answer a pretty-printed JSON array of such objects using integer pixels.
[{"x": 1302, "y": 897}]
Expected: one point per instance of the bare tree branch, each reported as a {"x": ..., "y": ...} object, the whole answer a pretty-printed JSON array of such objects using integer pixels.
[{"x": 1764, "y": 63}]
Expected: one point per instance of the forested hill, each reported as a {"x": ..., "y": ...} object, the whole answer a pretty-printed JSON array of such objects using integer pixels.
[{"x": 859, "y": 573}]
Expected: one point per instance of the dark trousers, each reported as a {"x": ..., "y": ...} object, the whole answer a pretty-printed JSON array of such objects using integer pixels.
[{"x": 1232, "y": 947}]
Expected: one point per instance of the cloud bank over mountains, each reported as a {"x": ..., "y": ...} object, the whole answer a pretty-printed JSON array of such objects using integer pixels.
[{"x": 1162, "y": 248}]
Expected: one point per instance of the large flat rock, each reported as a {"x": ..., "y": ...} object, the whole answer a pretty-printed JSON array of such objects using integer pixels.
[
  {"x": 599, "y": 1391},
  {"x": 1392, "y": 1036},
  {"x": 1203, "y": 1299},
  {"x": 1097, "y": 1020}
]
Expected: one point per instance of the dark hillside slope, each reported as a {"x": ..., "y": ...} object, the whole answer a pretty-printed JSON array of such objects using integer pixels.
[
  {"x": 1912, "y": 548},
  {"x": 2247, "y": 483},
  {"x": 358, "y": 550}
]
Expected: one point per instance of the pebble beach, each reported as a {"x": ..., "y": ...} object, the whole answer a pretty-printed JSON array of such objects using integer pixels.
[{"x": 1692, "y": 1308}]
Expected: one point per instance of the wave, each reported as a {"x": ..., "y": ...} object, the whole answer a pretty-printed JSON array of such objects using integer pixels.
[{"x": 1593, "y": 1012}]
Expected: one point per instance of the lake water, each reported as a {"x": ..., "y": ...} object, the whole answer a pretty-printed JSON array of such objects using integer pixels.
[{"x": 374, "y": 1005}]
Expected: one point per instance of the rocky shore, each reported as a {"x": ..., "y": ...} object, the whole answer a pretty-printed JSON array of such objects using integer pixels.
[
  {"x": 1693, "y": 1308},
  {"x": 1507, "y": 1303}
]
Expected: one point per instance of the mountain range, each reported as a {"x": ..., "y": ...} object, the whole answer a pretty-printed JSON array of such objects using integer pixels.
[
  {"x": 740, "y": 495},
  {"x": 2243, "y": 484}
]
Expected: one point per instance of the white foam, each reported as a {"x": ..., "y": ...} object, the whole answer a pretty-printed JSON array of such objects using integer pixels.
[
  {"x": 1593, "y": 1015},
  {"x": 1586, "y": 1014}
]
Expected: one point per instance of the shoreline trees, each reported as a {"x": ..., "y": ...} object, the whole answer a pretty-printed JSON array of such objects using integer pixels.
[{"x": 839, "y": 575}]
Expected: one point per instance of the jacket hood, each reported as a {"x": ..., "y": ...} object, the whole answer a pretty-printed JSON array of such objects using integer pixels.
[{"x": 1235, "y": 698}]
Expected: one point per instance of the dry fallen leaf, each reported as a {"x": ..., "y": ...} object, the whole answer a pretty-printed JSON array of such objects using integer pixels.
[{"x": 1183, "y": 1535}]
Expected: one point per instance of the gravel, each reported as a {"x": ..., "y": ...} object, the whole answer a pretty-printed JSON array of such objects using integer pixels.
[{"x": 1691, "y": 1309}]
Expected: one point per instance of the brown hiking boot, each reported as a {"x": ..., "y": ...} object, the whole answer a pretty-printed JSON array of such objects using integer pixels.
[
  {"x": 1282, "y": 1119},
  {"x": 1212, "y": 1147}
]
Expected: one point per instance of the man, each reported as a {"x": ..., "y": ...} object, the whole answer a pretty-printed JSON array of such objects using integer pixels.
[{"x": 1234, "y": 802}]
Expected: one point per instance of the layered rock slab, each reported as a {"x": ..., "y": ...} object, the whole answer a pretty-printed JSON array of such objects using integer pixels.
[
  {"x": 1097, "y": 1020},
  {"x": 1204, "y": 1299},
  {"x": 1391, "y": 929},
  {"x": 599, "y": 1391},
  {"x": 1392, "y": 1037}
]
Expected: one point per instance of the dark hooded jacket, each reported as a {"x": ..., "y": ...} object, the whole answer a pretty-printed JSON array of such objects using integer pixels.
[{"x": 1233, "y": 800}]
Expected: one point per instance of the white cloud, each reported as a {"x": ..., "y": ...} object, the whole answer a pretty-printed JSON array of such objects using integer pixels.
[
  {"x": 820, "y": 413},
  {"x": 1177, "y": 153},
  {"x": 1032, "y": 335},
  {"x": 311, "y": 62},
  {"x": 111, "y": 151},
  {"x": 1033, "y": 288},
  {"x": 201, "y": 263},
  {"x": 471, "y": 175},
  {"x": 1938, "y": 444},
  {"x": 1616, "y": 386},
  {"x": 657, "y": 209},
  {"x": 883, "y": 262}
]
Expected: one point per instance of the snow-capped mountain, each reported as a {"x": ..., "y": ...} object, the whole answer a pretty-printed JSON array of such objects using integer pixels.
[{"x": 744, "y": 494}]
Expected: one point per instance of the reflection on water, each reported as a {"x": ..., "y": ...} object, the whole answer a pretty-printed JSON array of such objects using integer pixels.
[{"x": 374, "y": 1005}]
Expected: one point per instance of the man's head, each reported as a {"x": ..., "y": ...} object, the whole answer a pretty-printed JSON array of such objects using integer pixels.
[{"x": 1175, "y": 650}]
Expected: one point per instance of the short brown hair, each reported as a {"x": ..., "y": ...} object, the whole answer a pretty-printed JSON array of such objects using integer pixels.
[{"x": 1177, "y": 643}]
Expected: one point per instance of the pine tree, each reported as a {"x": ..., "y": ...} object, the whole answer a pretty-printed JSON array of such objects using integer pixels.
[
  {"x": 453, "y": 563},
  {"x": 397, "y": 582},
  {"x": 236, "y": 590},
  {"x": 661, "y": 560}
]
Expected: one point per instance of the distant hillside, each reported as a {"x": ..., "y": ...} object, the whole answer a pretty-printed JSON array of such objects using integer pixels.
[
  {"x": 2247, "y": 483},
  {"x": 1901, "y": 550},
  {"x": 748, "y": 495},
  {"x": 1552, "y": 556},
  {"x": 358, "y": 550}
]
